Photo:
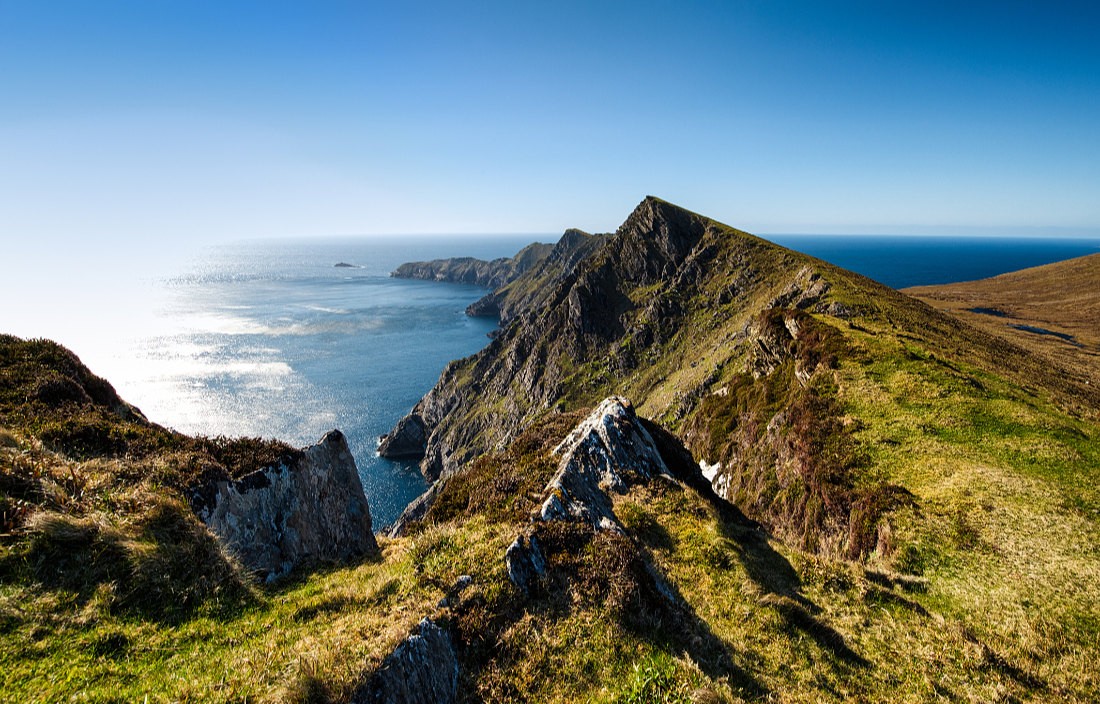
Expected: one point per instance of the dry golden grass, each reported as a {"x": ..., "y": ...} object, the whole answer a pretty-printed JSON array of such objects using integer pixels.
[{"x": 1062, "y": 297}]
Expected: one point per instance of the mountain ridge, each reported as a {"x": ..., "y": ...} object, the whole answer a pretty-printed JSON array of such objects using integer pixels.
[
  {"x": 861, "y": 498},
  {"x": 676, "y": 310}
]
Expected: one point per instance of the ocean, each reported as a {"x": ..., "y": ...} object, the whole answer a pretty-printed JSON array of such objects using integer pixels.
[
  {"x": 901, "y": 261},
  {"x": 270, "y": 338}
]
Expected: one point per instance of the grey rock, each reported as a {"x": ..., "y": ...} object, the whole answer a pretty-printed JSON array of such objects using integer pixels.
[
  {"x": 311, "y": 510},
  {"x": 407, "y": 440},
  {"x": 525, "y": 562},
  {"x": 608, "y": 451},
  {"x": 423, "y": 669},
  {"x": 805, "y": 289},
  {"x": 771, "y": 343}
]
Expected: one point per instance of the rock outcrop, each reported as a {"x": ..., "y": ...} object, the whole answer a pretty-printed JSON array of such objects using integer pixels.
[
  {"x": 478, "y": 272},
  {"x": 609, "y": 451},
  {"x": 407, "y": 440},
  {"x": 423, "y": 669},
  {"x": 311, "y": 510}
]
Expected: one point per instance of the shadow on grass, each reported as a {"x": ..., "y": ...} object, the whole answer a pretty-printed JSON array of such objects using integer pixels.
[
  {"x": 782, "y": 587},
  {"x": 595, "y": 578},
  {"x": 769, "y": 570}
]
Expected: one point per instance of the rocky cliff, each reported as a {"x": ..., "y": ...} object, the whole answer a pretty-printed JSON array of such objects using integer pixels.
[
  {"x": 307, "y": 511},
  {"x": 733, "y": 341},
  {"x": 478, "y": 272},
  {"x": 528, "y": 291}
]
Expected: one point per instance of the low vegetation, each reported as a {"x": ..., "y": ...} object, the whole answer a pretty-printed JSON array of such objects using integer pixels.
[{"x": 915, "y": 518}]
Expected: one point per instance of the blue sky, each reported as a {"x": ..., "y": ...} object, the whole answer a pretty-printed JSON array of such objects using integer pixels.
[{"x": 151, "y": 122}]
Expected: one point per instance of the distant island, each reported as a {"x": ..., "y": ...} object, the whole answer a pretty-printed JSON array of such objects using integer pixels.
[
  {"x": 345, "y": 265},
  {"x": 691, "y": 466}
]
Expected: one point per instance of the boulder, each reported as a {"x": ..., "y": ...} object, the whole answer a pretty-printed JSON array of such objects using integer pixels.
[
  {"x": 423, "y": 669},
  {"x": 311, "y": 510}
]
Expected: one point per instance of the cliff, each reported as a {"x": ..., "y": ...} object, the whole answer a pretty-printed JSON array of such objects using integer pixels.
[
  {"x": 478, "y": 272},
  {"x": 308, "y": 511},
  {"x": 743, "y": 347}
]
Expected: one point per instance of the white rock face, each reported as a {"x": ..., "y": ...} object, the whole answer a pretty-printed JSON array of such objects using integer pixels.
[
  {"x": 710, "y": 471},
  {"x": 609, "y": 450},
  {"x": 278, "y": 517}
]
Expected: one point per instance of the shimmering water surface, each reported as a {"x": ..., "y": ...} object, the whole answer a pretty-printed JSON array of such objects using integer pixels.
[{"x": 271, "y": 339}]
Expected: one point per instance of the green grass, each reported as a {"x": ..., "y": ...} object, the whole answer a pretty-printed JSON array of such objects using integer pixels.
[{"x": 964, "y": 473}]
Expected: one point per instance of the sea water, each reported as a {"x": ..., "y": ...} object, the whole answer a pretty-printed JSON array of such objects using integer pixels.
[
  {"x": 901, "y": 261},
  {"x": 271, "y": 339}
]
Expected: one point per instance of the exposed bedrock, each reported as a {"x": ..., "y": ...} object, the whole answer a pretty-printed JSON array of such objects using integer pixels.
[
  {"x": 423, "y": 669},
  {"x": 610, "y": 450},
  {"x": 311, "y": 510}
]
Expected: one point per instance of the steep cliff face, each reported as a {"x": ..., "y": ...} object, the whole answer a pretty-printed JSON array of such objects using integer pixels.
[
  {"x": 746, "y": 349},
  {"x": 609, "y": 318},
  {"x": 311, "y": 510},
  {"x": 530, "y": 290},
  {"x": 469, "y": 270}
]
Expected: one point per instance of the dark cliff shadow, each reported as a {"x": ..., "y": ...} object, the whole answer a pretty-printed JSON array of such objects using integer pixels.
[
  {"x": 782, "y": 588},
  {"x": 772, "y": 573}
]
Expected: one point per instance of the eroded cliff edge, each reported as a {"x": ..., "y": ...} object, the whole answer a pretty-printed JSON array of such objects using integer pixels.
[
  {"x": 306, "y": 511},
  {"x": 743, "y": 348}
]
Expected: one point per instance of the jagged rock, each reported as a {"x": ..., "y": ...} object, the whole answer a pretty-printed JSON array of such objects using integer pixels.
[
  {"x": 311, "y": 510},
  {"x": 771, "y": 341},
  {"x": 807, "y": 289},
  {"x": 607, "y": 451},
  {"x": 610, "y": 450},
  {"x": 407, "y": 440},
  {"x": 423, "y": 669},
  {"x": 455, "y": 591},
  {"x": 524, "y": 561}
]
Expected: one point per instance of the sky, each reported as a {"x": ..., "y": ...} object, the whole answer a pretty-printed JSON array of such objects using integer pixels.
[{"x": 154, "y": 124}]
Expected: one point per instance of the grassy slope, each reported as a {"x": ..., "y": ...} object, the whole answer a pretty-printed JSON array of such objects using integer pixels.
[
  {"x": 1061, "y": 297},
  {"x": 985, "y": 587},
  {"x": 999, "y": 613}
]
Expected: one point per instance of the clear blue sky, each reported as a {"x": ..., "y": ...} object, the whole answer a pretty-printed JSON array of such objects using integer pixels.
[{"x": 152, "y": 121}]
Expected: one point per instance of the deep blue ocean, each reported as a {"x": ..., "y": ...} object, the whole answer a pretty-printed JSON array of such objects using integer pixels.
[
  {"x": 271, "y": 339},
  {"x": 916, "y": 261}
]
